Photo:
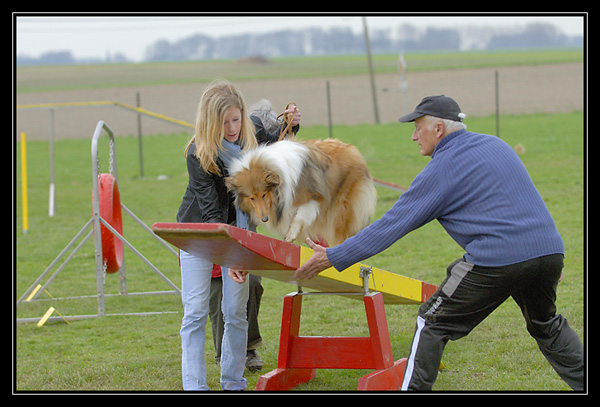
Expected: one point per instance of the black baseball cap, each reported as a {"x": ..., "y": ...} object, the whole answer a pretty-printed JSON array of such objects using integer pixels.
[{"x": 438, "y": 106}]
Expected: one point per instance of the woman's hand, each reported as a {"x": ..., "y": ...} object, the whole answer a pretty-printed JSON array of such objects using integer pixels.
[
  {"x": 291, "y": 110},
  {"x": 237, "y": 276}
]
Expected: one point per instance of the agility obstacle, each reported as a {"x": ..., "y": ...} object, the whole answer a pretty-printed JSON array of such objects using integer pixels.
[
  {"x": 107, "y": 227},
  {"x": 300, "y": 356}
]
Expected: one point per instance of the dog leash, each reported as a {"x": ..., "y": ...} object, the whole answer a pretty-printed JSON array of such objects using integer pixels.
[{"x": 286, "y": 126}]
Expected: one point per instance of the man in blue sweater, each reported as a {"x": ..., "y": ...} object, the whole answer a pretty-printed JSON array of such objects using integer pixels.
[{"x": 478, "y": 189}]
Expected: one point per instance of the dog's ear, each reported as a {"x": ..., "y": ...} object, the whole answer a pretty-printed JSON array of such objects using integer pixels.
[
  {"x": 230, "y": 184},
  {"x": 271, "y": 179}
]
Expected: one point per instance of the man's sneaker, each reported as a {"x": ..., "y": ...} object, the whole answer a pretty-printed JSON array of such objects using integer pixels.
[{"x": 253, "y": 361}]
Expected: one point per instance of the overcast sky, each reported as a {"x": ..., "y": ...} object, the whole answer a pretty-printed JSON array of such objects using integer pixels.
[{"x": 96, "y": 35}]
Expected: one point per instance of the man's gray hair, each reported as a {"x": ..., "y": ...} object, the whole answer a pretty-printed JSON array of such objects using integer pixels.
[{"x": 450, "y": 125}]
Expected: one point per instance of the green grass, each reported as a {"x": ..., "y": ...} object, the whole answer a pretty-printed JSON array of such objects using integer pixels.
[
  {"x": 72, "y": 77},
  {"x": 143, "y": 353}
]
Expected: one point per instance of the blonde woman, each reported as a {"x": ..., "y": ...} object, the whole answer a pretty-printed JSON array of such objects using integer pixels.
[{"x": 223, "y": 131}]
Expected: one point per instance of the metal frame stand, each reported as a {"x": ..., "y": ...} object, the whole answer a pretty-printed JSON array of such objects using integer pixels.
[
  {"x": 93, "y": 226},
  {"x": 300, "y": 356}
]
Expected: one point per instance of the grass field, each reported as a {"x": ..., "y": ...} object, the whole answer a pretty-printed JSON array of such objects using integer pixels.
[
  {"x": 60, "y": 78},
  {"x": 123, "y": 353}
]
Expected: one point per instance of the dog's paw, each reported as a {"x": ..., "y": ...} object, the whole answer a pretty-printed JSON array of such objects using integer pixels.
[
  {"x": 292, "y": 233},
  {"x": 290, "y": 237}
]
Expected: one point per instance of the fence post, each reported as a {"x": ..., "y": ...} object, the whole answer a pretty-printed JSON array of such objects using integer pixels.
[
  {"x": 139, "y": 126},
  {"x": 371, "y": 71},
  {"x": 51, "y": 199},
  {"x": 497, "y": 108},
  {"x": 24, "y": 182},
  {"x": 329, "y": 110}
]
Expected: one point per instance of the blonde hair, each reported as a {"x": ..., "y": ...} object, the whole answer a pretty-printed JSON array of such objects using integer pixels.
[{"x": 218, "y": 97}]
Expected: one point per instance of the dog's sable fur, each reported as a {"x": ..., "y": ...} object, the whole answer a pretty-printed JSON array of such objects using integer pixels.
[{"x": 318, "y": 188}]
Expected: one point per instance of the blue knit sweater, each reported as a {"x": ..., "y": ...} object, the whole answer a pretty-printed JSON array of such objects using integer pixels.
[{"x": 479, "y": 190}]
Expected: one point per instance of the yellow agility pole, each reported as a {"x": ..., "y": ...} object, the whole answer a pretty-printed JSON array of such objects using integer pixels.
[{"x": 24, "y": 182}]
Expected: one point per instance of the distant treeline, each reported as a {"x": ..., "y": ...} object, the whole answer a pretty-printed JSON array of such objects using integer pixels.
[{"x": 335, "y": 41}]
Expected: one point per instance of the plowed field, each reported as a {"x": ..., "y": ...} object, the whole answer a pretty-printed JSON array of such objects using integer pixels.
[{"x": 522, "y": 90}]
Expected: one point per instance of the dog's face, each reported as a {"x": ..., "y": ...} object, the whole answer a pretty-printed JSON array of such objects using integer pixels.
[{"x": 255, "y": 190}]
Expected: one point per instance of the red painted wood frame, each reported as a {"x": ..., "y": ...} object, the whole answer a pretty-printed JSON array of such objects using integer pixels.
[{"x": 300, "y": 356}]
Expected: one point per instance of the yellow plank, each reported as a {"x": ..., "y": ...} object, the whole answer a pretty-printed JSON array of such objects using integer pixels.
[{"x": 396, "y": 289}]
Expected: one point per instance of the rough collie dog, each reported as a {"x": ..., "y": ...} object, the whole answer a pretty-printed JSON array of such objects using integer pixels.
[{"x": 318, "y": 188}]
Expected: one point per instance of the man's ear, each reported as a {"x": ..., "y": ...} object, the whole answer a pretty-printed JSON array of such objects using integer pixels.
[{"x": 440, "y": 129}]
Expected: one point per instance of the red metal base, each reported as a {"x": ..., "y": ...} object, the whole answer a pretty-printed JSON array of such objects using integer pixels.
[{"x": 299, "y": 356}]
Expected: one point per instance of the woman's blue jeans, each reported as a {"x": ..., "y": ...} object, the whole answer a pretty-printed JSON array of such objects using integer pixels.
[{"x": 195, "y": 291}]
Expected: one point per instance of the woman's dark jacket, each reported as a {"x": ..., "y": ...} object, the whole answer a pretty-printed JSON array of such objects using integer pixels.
[{"x": 206, "y": 199}]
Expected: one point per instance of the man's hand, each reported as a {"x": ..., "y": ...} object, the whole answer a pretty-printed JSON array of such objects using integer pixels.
[{"x": 317, "y": 263}]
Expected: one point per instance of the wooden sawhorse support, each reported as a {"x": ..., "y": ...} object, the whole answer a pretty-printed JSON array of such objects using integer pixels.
[{"x": 300, "y": 356}]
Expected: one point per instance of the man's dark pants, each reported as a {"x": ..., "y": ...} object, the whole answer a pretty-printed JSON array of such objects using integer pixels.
[{"x": 470, "y": 293}]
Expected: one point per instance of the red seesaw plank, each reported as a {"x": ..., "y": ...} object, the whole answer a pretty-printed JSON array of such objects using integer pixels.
[
  {"x": 268, "y": 257},
  {"x": 231, "y": 246}
]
